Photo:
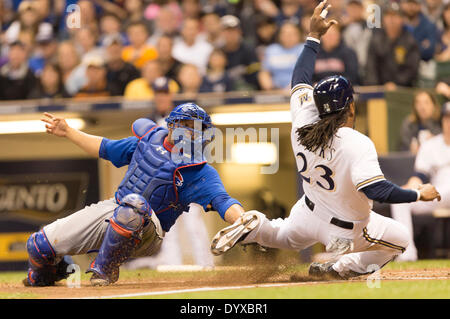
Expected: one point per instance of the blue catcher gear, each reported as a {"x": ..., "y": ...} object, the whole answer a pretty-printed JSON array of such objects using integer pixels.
[
  {"x": 122, "y": 236},
  {"x": 191, "y": 111},
  {"x": 44, "y": 268},
  {"x": 332, "y": 94},
  {"x": 154, "y": 174}
]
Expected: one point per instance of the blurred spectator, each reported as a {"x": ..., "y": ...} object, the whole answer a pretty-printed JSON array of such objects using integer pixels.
[
  {"x": 335, "y": 57},
  {"x": 422, "y": 124},
  {"x": 422, "y": 29},
  {"x": 191, "y": 9},
  {"x": 266, "y": 32},
  {"x": 163, "y": 98},
  {"x": 86, "y": 42},
  {"x": 356, "y": 34},
  {"x": 212, "y": 28},
  {"x": 167, "y": 22},
  {"x": 338, "y": 10},
  {"x": 135, "y": 13},
  {"x": 50, "y": 84},
  {"x": 88, "y": 14},
  {"x": 114, "y": 7},
  {"x": 192, "y": 47},
  {"x": 216, "y": 78},
  {"x": 6, "y": 15},
  {"x": 242, "y": 63},
  {"x": 138, "y": 52},
  {"x": 110, "y": 24},
  {"x": 16, "y": 78},
  {"x": 28, "y": 20},
  {"x": 393, "y": 56},
  {"x": 288, "y": 10},
  {"x": 74, "y": 72},
  {"x": 169, "y": 65},
  {"x": 119, "y": 73},
  {"x": 68, "y": 60},
  {"x": 27, "y": 38},
  {"x": 431, "y": 166},
  {"x": 140, "y": 89},
  {"x": 432, "y": 9},
  {"x": 443, "y": 53},
  {"x": 45, "y": 51},
  {"x": 190, "y": 80},
  {"x": 304, "y": 23},
  {"x": 279, "y": 59},
  {"x": 443, "y": 89},
  {"x": 96, "y": 83},
  {"x": 85, "y": 16}
]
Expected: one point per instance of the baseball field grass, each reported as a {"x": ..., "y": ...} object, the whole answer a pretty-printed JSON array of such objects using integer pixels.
[{"x": 408, "y": 280}]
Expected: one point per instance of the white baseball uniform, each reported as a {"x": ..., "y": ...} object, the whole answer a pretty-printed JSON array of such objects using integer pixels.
[
  {"x": 433, "y": 160},
  {"x": 332, "y": 181}
]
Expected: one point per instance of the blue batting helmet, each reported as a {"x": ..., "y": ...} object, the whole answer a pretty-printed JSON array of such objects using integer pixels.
[{"x": 332, "y": 95}]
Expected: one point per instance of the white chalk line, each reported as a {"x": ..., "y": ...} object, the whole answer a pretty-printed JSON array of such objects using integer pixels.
[{"x": 202, "y": 289}]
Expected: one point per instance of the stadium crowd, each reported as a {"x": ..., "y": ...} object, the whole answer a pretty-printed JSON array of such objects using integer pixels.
[{"x": 79, "y": 48}]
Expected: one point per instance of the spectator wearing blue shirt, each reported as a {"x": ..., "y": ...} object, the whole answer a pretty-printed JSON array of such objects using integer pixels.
[
  {"x": 216, "y": 78},
  {"x": 279, "y": 59},
  {"x": 423, "y": 30},
  {"x": 336, "y": 58}
]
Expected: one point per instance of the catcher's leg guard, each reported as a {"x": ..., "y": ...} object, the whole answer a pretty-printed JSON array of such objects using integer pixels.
[
  {"x": 44, "y": 268},
  {"x": 121, "y": 237}
]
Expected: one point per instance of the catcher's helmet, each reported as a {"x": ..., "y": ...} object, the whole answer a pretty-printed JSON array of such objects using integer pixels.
[
  {"x": 189, "y": 111},
  {"x": 332, "y": 94}
]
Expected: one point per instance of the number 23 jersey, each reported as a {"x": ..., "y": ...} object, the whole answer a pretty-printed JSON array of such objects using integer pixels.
[{"x": 333, "y": 178}]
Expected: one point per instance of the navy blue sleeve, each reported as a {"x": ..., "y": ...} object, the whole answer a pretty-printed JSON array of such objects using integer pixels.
[
  {"x": 118, "y": 152},
  {"x": 387, "y": 192},
  {"x": 304, "y": 67},
  {"x": 428, "y": 42}
]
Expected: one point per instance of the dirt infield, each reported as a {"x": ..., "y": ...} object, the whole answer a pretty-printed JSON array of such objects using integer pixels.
[{"x": 164, "y": 282}]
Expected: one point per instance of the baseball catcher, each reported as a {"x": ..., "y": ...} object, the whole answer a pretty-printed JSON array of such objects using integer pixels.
[{"x": 166, "y": 173}]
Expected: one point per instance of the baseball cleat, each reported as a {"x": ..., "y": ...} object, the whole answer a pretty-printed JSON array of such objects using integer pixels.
[
  {"x": 324, "y": 271},
  {"x": 228, "y": 237},
  {"x": 96, "y": 281}
]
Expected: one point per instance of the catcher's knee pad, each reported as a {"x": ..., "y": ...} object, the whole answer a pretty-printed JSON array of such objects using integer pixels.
[
  {"x": 126, "y": 221},
  {"x": 40, "y": 251}
]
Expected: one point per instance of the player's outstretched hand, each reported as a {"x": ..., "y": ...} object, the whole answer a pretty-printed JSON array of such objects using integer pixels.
[
  {"x": 428, "y": 193},
  {"x": 55, "y": 125},
  {"x": 318, "y": 25}
]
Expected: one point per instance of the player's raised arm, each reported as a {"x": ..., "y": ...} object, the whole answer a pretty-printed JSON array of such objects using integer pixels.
[
  {"x": 304, "y": 67},
  {"x": 59, "y": 127}
]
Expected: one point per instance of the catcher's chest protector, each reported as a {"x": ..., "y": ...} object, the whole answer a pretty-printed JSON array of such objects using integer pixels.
[{"x": 153, "y": 174}]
